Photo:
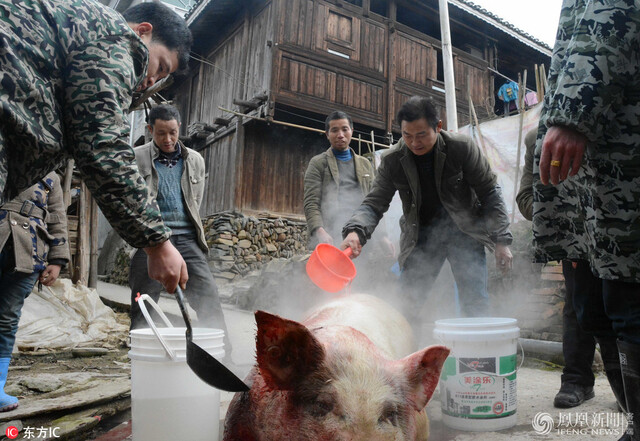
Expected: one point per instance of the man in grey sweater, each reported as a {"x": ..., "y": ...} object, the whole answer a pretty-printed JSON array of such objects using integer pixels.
[{"x": 175, "y": 176}]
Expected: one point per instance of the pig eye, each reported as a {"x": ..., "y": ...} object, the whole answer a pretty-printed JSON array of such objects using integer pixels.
[
  {"x": 389, "y": 416},
  {"x": 321, "y": 406}
]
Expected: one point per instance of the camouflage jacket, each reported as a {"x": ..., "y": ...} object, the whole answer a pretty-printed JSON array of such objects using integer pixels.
[
  {"x": 36, "y": 224},
  {"x": 594, "y": 88},
  {"x": 68, "y": 69}
]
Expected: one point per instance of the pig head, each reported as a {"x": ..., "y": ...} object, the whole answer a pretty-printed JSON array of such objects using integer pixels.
[{"x": 322, "y": 380}]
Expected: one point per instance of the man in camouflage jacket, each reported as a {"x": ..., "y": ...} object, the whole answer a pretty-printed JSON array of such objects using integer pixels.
[
  {"x": 68, "y": 69},
  {"x": 33, "y": 246},
  {"x": 590, "y": 127},
  {"x": 578, "y": 346}
]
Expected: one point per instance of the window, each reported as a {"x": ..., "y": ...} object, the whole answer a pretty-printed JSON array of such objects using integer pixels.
[{"x": 379, "y": 7}]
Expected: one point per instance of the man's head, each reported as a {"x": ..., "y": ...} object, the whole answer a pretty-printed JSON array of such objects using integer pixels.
[
  {"x": 420, "y": 124},
  {"x": 164, "y": 125},
  {"x": 165, "y": 34},
  {"x": 339, "y": 129}
]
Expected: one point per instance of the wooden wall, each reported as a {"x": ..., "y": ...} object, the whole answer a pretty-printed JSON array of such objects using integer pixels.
[
  {"x": 274, "y": 161},
  {"x": 308, "y": 76},
  {"x": 329, "y": 57},
  {"x": 238, "y": 68},
  {"x": 314, "y": 56},
  {"x": 220, "y": 186}
]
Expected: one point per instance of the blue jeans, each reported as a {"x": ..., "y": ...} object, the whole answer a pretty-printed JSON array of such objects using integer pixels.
[
  {"x": 468, "y": 264},
  {"x": 607, "y": 308},
  {"x": 15, "y": 287},
  {"x": 201, "y": 291}
]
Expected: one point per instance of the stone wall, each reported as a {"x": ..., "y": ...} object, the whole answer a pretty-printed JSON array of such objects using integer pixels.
[{"x": 240, "y": 244}]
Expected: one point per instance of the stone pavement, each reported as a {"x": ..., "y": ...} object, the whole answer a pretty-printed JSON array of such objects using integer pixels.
[{"x": 537, "y": 384}]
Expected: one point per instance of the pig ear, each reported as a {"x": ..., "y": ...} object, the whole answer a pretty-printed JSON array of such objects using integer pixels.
[
  {"x": 423, "y": 369},
  {"x": 287, "y": 352}
]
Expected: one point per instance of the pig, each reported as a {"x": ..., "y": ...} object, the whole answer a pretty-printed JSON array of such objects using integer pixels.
[{"x": 337, "y": 376}]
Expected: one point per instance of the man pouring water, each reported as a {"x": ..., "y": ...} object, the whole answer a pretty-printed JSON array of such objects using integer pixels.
[{"x": 452, "y": 209}]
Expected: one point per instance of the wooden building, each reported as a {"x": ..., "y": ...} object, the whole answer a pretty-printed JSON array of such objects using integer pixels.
[{"x": 297, "y": 60}]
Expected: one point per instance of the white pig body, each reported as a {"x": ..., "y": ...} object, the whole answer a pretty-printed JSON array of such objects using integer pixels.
[{"x": 337, "y": 376}]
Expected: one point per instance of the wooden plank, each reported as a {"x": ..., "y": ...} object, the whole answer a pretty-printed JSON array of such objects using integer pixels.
[
  {"x": 94, "y": 391},
  {"x": 392, "y": 68},
  {"x": 81, "y": 270},
  {"x": 93, "y": 245},
  {"x": 66, "y": 183},
  {"x": 308, "y": 26}
]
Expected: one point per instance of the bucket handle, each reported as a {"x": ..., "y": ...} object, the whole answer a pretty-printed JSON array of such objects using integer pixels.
[
  {"x": 145, "y": 297},
  {"x": 493, "y": 374}
]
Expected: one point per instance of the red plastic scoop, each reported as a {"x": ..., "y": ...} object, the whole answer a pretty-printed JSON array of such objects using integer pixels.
[{"x": 331, "y": 268}]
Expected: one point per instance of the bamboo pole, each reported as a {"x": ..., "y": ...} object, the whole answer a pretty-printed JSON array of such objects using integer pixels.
[
  {"x": 475, "y": 118},
  {"x": 93, "y": 245},
  {"x": 538, "y": 83},
  {"x": 373, "y": 156},
  {"x": 447, "y": 62},
  {"x": 66, "y": 187},
  {"x": 373, "y": 142},
  {"x": 81, "y": 271},
  {"x": 297, "y": 126},
  {"x": 515, "y": 181}
]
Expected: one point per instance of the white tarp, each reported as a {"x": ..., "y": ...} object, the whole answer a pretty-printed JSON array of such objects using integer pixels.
[
  {"x": 499, "y": 143},
  {"x": 66, "y": 316}
]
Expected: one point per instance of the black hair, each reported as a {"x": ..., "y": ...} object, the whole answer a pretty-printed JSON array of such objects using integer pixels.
[
  {"x": 169, "y": 28},
  {"x": 337, "y": 114},
  {"x": 418, "y": 107},
  {"x": 165, "y": 112}
]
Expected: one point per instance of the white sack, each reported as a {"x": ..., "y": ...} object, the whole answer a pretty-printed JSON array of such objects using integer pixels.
[{"x": 64, "y": 316}]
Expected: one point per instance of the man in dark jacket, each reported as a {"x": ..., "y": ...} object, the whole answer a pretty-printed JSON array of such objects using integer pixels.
[{"x": 452, "y": 209}]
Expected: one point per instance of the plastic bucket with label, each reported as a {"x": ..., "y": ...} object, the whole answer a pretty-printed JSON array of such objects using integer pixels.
[
  {"x": 478, "y": 381},
  {"x": 168, "y": 401}
]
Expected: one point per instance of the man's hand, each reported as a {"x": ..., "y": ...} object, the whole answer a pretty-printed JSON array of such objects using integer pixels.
[
  {"x": 323, "y": 236},
  {"x": 167, "y": 266},
  {"x": 562, "y": 148},
  {"x": 352, "y": 241},
  {"x": 50, "y": 274},
  {"x": 504, "y": 258}
]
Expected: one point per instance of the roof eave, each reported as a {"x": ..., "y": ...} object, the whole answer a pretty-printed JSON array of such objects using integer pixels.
[{"x": 472, "y": 9}]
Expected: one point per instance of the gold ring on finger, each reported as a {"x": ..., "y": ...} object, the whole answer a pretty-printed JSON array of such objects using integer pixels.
[{"x": 555, "y": 163}]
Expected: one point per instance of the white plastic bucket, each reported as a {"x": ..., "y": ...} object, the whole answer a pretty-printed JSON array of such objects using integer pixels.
[
  {"x": 168, "y": 401},
  {"x": 478, "y": 381}
]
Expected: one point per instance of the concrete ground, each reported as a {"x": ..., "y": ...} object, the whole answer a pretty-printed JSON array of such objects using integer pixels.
[{"x": 537, "y": 384}]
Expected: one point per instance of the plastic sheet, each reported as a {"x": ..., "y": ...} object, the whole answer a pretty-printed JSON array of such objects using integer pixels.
[
  {"x": 66, "y": 316},
  {"x": 500, "y": 146}
]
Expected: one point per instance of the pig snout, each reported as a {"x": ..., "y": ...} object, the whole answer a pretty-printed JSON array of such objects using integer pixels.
[{"x": 331, "y": 383}]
